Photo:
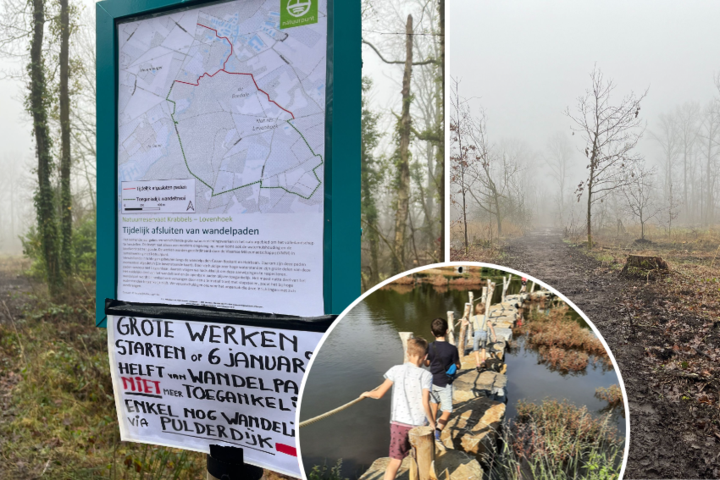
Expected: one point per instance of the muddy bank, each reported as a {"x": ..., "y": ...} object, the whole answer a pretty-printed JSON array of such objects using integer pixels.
[
  {"x": 445, "y": 277},
  {"x": 673, "y": 434}
]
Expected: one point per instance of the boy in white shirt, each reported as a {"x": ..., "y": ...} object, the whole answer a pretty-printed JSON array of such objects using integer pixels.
[{"x": 410, "y": 405}]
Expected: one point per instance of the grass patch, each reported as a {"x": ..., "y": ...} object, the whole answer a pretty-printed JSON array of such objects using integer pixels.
[
  {"x": 556, "y": 440},
  {"x": 322, "y": 472},
  {"x": 58, "y": 412},
  {"x": 60, "y": 418},
  {"x": 560, "y": 341},
  {"x": 612, "y": 395}
]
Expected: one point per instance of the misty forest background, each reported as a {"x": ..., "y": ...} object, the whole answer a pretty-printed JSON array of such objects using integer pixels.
[
  {"x": 614, "y": 172},
  {"x": 58, "y": 415},
  {"x": 47, "y": 207},
  {"x": 403, "y": 194}
]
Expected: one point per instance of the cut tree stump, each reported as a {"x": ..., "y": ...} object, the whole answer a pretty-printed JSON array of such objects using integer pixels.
[{"x": 639, "y": 265}]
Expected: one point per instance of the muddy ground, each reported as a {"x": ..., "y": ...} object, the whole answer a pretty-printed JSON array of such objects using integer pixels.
[{"x": 672, "y": 434}]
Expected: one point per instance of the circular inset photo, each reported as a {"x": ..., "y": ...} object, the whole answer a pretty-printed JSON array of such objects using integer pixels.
[{"x": 462, "y": 371}]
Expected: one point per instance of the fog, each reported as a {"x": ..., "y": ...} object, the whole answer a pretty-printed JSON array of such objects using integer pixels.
[
  {"x": 17, "y": 145},
  {"x": 524, "y": 63},
  {"x": 16, "y": 156}
]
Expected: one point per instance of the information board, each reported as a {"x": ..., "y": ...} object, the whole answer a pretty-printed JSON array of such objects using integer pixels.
[
  {"x": 220, "y": 156},
  {"x": 190, "y": 384}
]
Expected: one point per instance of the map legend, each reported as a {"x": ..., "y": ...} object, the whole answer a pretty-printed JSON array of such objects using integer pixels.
[{"x": 158, "y": 196}]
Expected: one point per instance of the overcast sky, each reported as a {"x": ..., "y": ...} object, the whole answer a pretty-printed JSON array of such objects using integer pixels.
[
  {"x": 529, "y": 60},
  {"x": 15, "y": 128},
  {"x": 15, "y": 125}
]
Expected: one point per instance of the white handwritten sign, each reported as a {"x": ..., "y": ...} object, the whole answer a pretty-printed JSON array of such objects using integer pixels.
[{"x": 189, "y": 384}]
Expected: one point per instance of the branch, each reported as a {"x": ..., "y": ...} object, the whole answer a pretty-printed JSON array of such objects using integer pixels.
[
  {"x": 428, "y": 136},
  {"x": 399, "y": 62},
  {"x": 392, "y": 250}
]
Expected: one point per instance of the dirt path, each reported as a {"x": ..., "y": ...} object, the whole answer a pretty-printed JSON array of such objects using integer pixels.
[
  {"x": 14, "y": 287},
  {"x": 665, "y": 440}
]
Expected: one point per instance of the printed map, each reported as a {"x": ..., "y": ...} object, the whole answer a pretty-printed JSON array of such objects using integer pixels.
[{"x": 222, "y": 95}]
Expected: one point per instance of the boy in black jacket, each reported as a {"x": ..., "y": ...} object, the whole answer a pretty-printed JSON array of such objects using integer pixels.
[{"x": 441, "y": 356}]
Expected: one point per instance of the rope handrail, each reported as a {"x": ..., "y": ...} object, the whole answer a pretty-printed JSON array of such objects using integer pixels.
[{"x": 331, "y": 412}]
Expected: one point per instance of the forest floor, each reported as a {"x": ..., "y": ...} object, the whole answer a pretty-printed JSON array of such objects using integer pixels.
[
  {"x": 57, "y": 412},
  {"x": 664, "y": 334}
]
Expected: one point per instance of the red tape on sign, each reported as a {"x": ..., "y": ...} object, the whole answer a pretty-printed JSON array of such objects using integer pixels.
[{"x": 287, "y": 449}]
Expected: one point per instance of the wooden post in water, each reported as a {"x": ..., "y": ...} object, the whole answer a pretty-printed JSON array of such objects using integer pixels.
[
  {"x": 468, "y": 331},
  {"x": 413, "y": 471},
  {"x": 422, "y": 440},
  {"x": 463, "y": 328},
  {"x": 461, "y": 340},
  {"x": 506, "y": 284},
  {"x": 451, "y": 327},
  {"x": 488, "y": 299},
  {"x": 467, "y": 310},
  {"x": 404, "y": 337}
]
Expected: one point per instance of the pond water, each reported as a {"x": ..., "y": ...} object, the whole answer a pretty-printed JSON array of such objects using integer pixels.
[{"x": 365, "y": 344}]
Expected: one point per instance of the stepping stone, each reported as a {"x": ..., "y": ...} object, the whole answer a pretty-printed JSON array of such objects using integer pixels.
[
  {"x": 471, "y": 385},
  {"x": 473, "y": 427},
  {"x": 449, "y": 464},
  {"x": 504, "y": 334}
]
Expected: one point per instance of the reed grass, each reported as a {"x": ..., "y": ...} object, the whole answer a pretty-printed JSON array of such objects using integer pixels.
[{"x": 556, "y": 440}]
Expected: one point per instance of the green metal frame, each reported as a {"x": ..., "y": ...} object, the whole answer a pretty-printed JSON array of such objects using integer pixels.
[{"x": 341, "y": 250}]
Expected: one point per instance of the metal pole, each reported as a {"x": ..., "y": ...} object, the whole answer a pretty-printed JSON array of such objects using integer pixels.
[{"x": 227, "y": 463}]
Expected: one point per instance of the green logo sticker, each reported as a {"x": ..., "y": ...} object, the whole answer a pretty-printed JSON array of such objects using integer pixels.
[{"x": 294, "y": 13}]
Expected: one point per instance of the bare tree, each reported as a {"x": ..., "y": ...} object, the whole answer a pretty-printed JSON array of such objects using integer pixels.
[
  {"x": 639, "y": 197},
  {"x": 461, "y": 150},
  {"x": 413, "y": 198},
  {"x": 687, "y": 117},
  {"x": 493, "y": 174},
  {"x": 558, "y": 158},
  {"x": 669, "y": 138},
  {"x": 611, "y": 133},
  {"x": 710, "y": 136},
  {"x": 82, "y": 115}
]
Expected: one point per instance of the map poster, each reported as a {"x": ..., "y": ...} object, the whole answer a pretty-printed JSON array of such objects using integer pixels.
[
  {"x": 187, "y": 384},
  {"x": 221, "y": 140}
]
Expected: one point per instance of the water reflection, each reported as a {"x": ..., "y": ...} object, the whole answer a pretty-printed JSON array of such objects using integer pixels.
[{"x": 365, "y": 345}]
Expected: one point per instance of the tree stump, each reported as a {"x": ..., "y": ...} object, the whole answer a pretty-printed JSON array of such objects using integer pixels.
[{"x": 644, "y": 266}]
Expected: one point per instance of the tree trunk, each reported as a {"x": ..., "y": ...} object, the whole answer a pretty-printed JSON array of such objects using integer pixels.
[
  {"x": 65, "y": 196},
  {"x": 497, "y": 214},
  {"x": 708, "y": 177},
  {"x": 441, "y": 146},
  {"x": 44, "y": 195},
  {"x": 464, "y": 216},
  {"x": 589, "y": 210},
  {"x": 372, "y": 236},
  {"x": 403, "y": 190}
]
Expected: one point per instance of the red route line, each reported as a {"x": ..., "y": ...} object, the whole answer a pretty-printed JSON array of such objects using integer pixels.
[{"x": 233, "y": 73}]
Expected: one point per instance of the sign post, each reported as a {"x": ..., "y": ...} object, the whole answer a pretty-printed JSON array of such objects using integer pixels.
[{"x": 228, "y": 211}]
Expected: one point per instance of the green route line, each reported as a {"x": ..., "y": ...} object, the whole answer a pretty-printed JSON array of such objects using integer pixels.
[{"x": 182, "y": 149}]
